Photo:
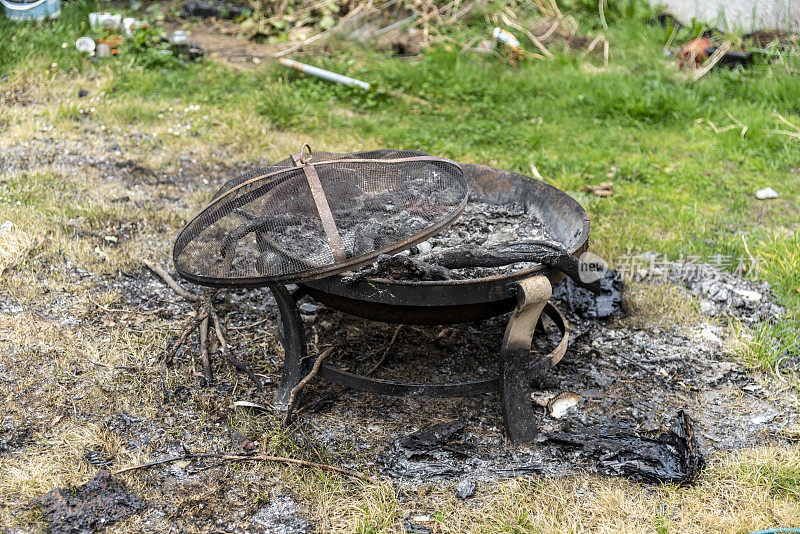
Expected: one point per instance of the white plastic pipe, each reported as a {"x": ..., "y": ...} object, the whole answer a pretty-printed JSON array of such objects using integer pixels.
[{"x": 322, "y": 73}]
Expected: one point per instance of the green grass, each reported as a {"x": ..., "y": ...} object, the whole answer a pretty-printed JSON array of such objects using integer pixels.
[
  {"x": 680, "y": 187},
  {"x": 772, "y": 341}
]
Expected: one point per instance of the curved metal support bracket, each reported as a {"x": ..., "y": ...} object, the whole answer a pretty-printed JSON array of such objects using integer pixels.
[
  {"x": 519, "y": 417},
  {"x": 513, "y": 381},
  {"x": 292, "y": 337}
]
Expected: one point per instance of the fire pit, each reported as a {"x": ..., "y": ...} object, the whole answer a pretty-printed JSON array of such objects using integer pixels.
[
  {"x": 525, "y": 292},
  {"x": 522, "y": 287}
]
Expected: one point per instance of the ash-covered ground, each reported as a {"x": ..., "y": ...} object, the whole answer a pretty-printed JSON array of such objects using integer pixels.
[
  {"x": 80, "y": 371},
  {"x": 628, "y": 379}
]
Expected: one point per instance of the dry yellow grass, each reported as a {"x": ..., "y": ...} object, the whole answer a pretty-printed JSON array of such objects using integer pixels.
[{"x": 662, "y": 305}]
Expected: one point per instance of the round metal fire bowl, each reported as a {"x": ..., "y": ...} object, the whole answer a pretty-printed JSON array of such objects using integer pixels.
[{"x": 457, "y": 301}]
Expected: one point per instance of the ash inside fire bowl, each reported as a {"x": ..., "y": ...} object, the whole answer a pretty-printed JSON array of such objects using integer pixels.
[
  {"x": 369, "y": 221},
  {"x": 486, "y": 239}
]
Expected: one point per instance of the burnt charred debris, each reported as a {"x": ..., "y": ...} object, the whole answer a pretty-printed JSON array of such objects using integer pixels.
[{"x": 613, "y": 449}]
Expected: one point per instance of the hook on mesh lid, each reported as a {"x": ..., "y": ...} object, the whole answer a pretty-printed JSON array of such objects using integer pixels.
[{"x": 300, "y": 158}]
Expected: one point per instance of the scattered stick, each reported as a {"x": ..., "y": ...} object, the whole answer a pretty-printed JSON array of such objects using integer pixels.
[
  {"x": 205, "y": 317},
  {"x": 204, "y": 360},
  {"x": 164, "y": 275},
  {"x": 536, "y": 174},
  {"x": 385, "y": 352},
  {"x": 191, "y": 326},
  {"x": 795, "y": 134},
  {"x": 299, "y": 387},
  {"x": 308, "y": 442},
  {"x": 249, "y": 326},
  {"x": 715, "y": 57},
  {"x": 600, "y": 8},
  {"x": 528, "y": 33},
  {"x": 239, "y": 458},
  {"x": 240, "y": 365},
  {"x": 546, "y": 35}
]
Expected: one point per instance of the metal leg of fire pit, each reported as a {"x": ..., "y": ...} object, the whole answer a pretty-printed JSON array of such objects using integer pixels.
[
  {"x": 519, "y": 417},
  {"x": 514, "y": 380},
  {"x": 293, "y": 339}
]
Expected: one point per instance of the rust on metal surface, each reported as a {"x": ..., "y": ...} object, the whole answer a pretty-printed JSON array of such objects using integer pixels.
[{"x": 300, "y": 159}]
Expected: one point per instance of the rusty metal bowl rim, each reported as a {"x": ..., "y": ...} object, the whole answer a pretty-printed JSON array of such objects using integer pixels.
[{"x": 580, "y": 248}]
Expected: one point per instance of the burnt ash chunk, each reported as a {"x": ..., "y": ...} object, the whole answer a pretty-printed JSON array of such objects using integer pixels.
[{"x": 93, "y": 506}]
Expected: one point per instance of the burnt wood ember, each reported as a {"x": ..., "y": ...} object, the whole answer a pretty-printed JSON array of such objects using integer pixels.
[
  {"x": 450, "y": 263},
  {"x": 400, "y": 267},
  {"x": 479, "y": 243},
  {"x": 486, "y": 240}
]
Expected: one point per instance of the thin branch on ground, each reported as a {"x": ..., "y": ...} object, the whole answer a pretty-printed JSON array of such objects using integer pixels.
[
  {"x": 249, "y": 326},
  {"x": 240, "y": 458},
  {"x": 711, "y": 61},
  {"x": 529, "y": 34},
  {"x": 164, "y": 275},
  {"x": 205, "y": 318},
  {"x": 795, "y": 134},
  {"x": 190, "y": 327},
  {"x": 299, "y": 387},
  {"x": 204, "y": 359},
  {"x": 237, "y": 363},
  {"x": 385, "y": 352},
  {"x": 308, "y": 442},
  {"x": 601, "y": 9}
]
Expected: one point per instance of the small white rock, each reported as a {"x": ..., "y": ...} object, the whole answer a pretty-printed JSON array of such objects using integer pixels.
[
  {"x": 750, "y": 296},
  {"x": 766, "y": 193}
]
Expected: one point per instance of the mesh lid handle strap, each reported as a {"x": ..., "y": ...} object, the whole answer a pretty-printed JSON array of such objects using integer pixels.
[{"x": 325, "y": 214}]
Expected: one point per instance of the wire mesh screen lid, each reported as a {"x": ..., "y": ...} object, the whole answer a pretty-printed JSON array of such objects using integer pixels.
[{"x": 317, "y": 214}]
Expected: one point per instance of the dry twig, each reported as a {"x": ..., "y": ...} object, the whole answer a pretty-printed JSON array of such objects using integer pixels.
[
  {"x": 240, "y": 458},
  {"x": 205, "y": 316},
  {"x": 237, "y": 363},
  {"x": 600, "y": 8},
  {"x": 299, "y": 387},
  {"x": 789, "y": 133},
  {"x": 385, "y": 352},
  {"x": 528, "y": 33},
  {"x": 164, "y": 275},
  {"x": 204, "y": 359},
  {"x": 711, "y": 61}
]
